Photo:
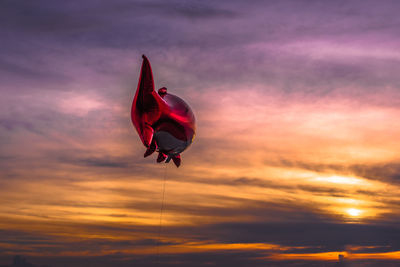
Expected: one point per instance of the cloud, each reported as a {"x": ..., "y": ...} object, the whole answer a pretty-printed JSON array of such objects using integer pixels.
[
  {"x": 329, "y": 236},
  {"x": 384, "y": 172},
  {"x": 292, "y": 238},
  {"x": 389, "y": 172},
  {"x": 108, "y": 162},
  {"x": 287, "y": 94}
]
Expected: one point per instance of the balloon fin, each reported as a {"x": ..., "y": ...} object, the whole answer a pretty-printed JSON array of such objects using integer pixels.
[
  {"x": 147, "y": 135},
  {"x": 146, "y": 82},
  {"x": 150, "y": 150},
  {"x": 161, "y": 157},
  {"x": 177, "y": 160},
  {"x": 147, "y": 105}
]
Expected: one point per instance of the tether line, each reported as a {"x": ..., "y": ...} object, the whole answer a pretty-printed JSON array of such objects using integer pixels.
[{"x": 161, "y": 214}]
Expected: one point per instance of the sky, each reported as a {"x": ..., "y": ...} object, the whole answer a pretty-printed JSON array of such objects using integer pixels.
[{"x": 295, "y": 160}]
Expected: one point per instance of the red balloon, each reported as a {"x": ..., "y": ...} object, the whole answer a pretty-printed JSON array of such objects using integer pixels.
[{"x": 163, "y": 121}]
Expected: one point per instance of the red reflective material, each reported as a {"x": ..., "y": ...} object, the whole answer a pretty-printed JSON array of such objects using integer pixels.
[{"x": 163, "y": 121}]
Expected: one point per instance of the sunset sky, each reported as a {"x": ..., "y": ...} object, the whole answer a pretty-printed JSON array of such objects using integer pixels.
[{"x": 296, "y": 156}]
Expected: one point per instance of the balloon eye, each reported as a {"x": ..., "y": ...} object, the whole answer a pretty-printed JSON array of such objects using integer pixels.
[{"x": 162, "y": 91}]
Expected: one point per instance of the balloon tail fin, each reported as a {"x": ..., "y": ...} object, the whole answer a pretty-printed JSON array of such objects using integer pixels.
[
  {"x": 177, "y": 160},
  {"x": 161, "y": 157},
  {"x": 150, "y": 150}
]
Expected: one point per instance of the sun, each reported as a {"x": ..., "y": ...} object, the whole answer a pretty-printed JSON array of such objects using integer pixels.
[{"x": 353, "y": 212}]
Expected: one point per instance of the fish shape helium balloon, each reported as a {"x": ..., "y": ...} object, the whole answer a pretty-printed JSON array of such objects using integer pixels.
[{"x": 165, "y": 123}]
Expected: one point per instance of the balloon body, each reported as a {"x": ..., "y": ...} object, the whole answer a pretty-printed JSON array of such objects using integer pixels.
[{"x": 164, "y": 122}]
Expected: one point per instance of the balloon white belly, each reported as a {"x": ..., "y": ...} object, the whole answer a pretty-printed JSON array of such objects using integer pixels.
[{"x": 168, "y": 143}]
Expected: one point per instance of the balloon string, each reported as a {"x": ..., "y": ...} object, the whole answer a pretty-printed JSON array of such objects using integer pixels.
[{"x": 161, "y": 214}]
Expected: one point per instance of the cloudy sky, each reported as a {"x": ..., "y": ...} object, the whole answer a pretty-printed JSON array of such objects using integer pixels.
[{"x": 295, "y": 160}]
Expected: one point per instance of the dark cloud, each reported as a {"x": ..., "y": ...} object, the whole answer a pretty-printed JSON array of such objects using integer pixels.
[
  {"x": 108, "y": 162},
  {"x": 238, "y": 208},
  {"x": 21, "y": 71},
  {"x": 388, "y": 172},
  {"x": 95, "y": 23},
  {"x": 312, "y": 237},
  {"x": 12, "y": 124},
  {"x": 330, "y": 236},
  {"x": 184, "y": 38},
  {"x": 199, "y": 10},
  {"x": 319, "y": 190},
  {"x": 187, "y": 9}
]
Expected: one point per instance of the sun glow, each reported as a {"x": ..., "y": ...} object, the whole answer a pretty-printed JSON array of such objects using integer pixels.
[
  {"x": 340, "y": 180},
  {"x": 353, "y": 212}
]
